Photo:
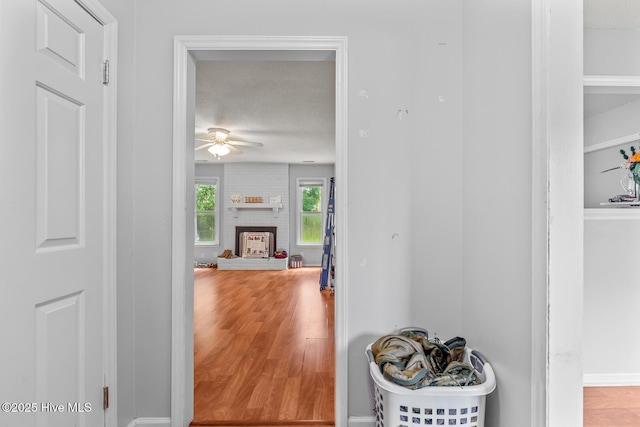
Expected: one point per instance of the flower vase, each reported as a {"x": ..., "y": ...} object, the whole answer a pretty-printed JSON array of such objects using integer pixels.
[{"x": 636, "y": 181}]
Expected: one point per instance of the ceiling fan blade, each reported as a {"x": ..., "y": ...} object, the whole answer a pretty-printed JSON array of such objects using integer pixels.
[
  {"x": 234, "y": 150},
  {"x": 246, "y": 143},
  {"x": 202, "y": 147}
]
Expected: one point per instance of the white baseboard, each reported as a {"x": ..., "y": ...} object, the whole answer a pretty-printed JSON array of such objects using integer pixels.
[
  {"x": 240, "y": 263},
  {"x": 362, "y": 422},
  {"x": 150, "y": 422},
  {"x": 166, "y": 422},
  {"x": 612, "y": 380}
]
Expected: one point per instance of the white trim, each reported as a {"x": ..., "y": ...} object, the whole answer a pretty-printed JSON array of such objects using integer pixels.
[
  {"x": 612, "y": 214},
  {"x": 557, "y": 214},
  {"x": 183, "y": 45},
  {"x": 362, "y": 422},
  {"x": 147, "y": 422},
  {"x": 539, "y": 374},
  {"x": 612, "y": 143},
  {"x": 611, "y": 380},
  {"x": 563, "y": 117},
  {"x": 110, "y": 130},
  {"x": 611, "y": 81},
  {"x": 178, "y": 235}
]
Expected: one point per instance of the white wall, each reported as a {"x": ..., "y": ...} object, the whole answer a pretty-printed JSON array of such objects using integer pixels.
[
  {"x": 383, "y": 37},
  {"x": 611, "y": 295},
  {"x": 496, "y": 209},
  {"x": 612, "y": 52},
  {"x": 431, "y": 237}
]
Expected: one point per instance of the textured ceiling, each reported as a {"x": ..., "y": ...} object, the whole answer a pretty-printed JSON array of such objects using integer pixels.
[
  {"x": 612, "y": 14},
  {"x": 287, "y": 105}
]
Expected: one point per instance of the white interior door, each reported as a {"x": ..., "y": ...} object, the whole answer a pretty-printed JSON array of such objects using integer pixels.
[{"x": 52, "y": 216}]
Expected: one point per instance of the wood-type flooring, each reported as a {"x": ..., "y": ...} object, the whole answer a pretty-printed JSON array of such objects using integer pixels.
[
  {"x": 264, "y": 349},
  {"x": 612, "y": 406}
]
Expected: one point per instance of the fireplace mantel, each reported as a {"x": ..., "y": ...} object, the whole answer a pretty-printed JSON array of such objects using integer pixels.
[{"x": 235, "y": 207}]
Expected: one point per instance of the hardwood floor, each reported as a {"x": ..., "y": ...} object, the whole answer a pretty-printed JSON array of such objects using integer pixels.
[
  {"x": 263, "y": 348},
  {"x": 611, "y": 406}
]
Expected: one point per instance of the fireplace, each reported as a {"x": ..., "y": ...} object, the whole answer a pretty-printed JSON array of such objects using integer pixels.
[{"x": 256, "y": 229}]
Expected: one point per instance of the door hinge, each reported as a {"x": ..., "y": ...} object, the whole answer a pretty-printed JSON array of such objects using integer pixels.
[
  {"x": 105, "y": 73},
  {"x": 105, "y": 397}
]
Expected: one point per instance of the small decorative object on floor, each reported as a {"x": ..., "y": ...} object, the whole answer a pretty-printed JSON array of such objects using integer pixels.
[
  {"x": 632, "y": 167},
  {"x": 206, "y": 265},
  {"x": 227, "y": 254},
  {"x": 280, "y": 254},
  {"x": 296, "y": 261}
]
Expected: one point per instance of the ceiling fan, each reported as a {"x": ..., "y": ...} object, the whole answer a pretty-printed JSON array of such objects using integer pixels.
[{"x": 219, "y": 145}]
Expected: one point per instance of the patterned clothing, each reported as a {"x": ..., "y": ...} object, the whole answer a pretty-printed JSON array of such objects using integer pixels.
[{"x": 412, "y": 360}]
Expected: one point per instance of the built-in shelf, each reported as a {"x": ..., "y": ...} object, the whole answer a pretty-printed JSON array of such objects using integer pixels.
[
  {"x": 236, "y": 207},
  {"x": 620, "y": 204},
  {"x": 612, "y": 213}
]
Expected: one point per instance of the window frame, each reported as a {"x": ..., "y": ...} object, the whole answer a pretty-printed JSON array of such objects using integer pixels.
[
  {"x": 310, "y": 182},
  {"x": 216, "y": 212}
]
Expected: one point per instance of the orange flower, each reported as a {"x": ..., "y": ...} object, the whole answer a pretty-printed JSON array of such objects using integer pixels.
[{"x": 635, "y": 158}]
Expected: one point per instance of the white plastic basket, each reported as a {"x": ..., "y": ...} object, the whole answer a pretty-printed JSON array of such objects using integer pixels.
[{"x": 397, "y": 406}]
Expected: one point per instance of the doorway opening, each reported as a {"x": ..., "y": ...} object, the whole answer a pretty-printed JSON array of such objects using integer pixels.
[{"x": 186, "y": 52}]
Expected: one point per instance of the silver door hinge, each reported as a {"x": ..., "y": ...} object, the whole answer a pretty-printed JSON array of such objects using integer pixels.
[
  {"x": 105, "y": 397},
  {"x": 105, "y": 73}
]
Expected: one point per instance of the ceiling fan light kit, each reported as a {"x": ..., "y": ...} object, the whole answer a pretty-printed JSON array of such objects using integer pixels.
[{"x": 219, "y": 150}]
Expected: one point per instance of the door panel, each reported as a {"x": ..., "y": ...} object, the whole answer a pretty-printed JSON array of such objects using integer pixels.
[
  {"x": 58, "y": 38},
  {"x": 52, "y": 180},
  {"x": 59, "y": 165},
  {"x": 60, "y": 355}
]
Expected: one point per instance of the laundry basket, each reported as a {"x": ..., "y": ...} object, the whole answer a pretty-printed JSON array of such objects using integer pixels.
[{"x": 397, "y": 406}]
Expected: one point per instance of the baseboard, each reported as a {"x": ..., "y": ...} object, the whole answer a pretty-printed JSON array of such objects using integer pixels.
[
  {"x": 610, "y": 380},
  {"x": 166, "y": 422},
  {"x": 362, "y": 422},
  {"x": 150, "y": 422}
]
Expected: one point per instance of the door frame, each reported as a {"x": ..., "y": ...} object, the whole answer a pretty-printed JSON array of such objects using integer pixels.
[
  {"x": 110, "y": 209},
  {"x": 557, "y": 213},
  {"x": 181, "y": 318}
]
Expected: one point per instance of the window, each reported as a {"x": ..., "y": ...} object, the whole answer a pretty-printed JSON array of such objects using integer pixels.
[
  {"x": 206, "y": 212},
  {"x": 310, "y": 210}
]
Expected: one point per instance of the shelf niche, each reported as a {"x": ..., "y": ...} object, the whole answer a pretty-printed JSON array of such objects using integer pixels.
[{"x": 611, "y": 104}]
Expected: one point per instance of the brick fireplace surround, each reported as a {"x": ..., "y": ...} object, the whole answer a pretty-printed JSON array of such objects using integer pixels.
[{"x": 255, "y": 179}]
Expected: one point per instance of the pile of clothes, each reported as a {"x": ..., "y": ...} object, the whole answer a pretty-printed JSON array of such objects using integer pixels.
[{"x": 412, "y": 360}]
